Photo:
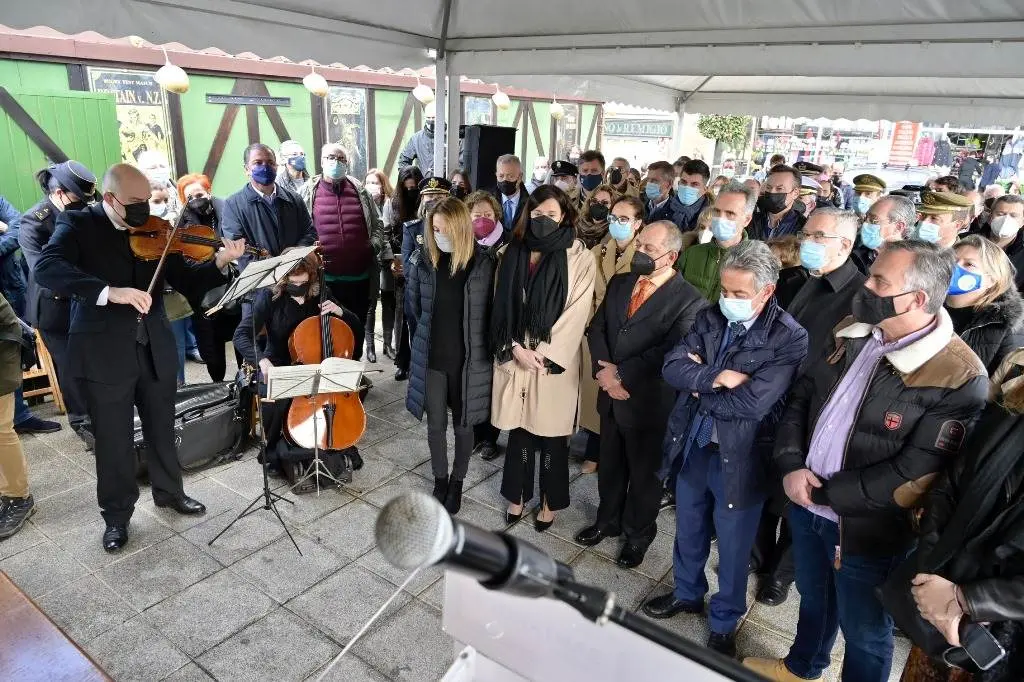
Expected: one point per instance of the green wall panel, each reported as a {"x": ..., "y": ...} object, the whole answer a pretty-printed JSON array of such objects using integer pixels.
[
  {"x": 587, "y": 114},
  {"x": 83, "y": 125},
  {"x": 543, "y": 112},
  {"x": 298, "y": 118},
  {"x": 36, "y": 76},
  {"x": 389, "y": 105}
]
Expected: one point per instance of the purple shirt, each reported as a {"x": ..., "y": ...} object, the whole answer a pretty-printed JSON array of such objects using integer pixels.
[{"x": 828, "y": 443}]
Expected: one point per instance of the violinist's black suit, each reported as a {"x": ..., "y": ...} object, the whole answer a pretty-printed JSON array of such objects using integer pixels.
[{"x": 120, "y": 361}]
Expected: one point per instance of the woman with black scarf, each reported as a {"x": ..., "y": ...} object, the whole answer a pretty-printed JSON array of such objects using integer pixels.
[
  {"x": 199, "y": 207},
  {"x": 545, "y": 286},
  {"x": 970, "y": 560}
]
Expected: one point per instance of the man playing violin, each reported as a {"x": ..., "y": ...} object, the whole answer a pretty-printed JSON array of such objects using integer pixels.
[{"x": 120, "y": 343}]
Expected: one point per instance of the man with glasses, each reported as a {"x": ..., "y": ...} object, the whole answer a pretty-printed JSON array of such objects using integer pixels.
[
  {"x": 889, "y": 219},
  {"x": 645, "y": 313}
]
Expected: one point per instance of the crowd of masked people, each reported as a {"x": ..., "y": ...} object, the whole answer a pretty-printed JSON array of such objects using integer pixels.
[{"x": 822, "y": 377}]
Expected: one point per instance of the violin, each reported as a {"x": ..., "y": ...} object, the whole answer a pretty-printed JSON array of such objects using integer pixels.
[
  {"x": 196, "y": 243},
  {"x": 337, "y": 419}
]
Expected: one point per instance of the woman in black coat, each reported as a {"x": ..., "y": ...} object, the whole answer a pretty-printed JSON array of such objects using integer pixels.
[
  {"x": 451, "y": 364},
  {"x": 198, "y": 207},
  {"x": 986, "y": 309},
  {"x": 972, "y": 545}
]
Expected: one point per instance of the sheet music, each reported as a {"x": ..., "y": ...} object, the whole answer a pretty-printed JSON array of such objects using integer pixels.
[
  {"x": 333, "y": 375},
  {"x": 261, "y": 273}
]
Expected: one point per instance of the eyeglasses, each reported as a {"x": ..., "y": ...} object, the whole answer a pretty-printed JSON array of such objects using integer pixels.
[
  {"x": 621, "y": 220},
  {"x": 335, "y": 157},
  {"x": 818, "y": 237}
]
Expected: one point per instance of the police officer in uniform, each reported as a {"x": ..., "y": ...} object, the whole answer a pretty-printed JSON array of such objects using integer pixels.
[{"x": 66, "y": 187}]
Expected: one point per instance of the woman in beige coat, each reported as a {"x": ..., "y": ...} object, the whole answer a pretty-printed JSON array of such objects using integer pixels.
[
  {"x": 613, "y": 256},
  {"x": 542, "y": 301}
]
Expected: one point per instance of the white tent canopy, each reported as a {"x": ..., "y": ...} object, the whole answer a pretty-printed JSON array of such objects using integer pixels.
[{"x": 931, "y": 60}]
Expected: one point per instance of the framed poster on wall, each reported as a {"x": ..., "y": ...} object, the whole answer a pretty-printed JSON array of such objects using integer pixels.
[
  {"x": 142, "y": 120},
  {"x": 346, "y": 125}
]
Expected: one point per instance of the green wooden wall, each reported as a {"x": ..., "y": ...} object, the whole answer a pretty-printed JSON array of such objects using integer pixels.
[{"x": 38, "y": 76}]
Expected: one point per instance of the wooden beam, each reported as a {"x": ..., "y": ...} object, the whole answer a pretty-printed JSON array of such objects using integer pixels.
[
  {"x": 371, "y": 128},
  {"x": 522, "y": 109},
  {"x": 77, "y": 79},
  {"x": 252, "y": 123},
  {"x": 276, "y": 122},
  {"x": 177, "y": 124},
  {"x": 396, "y": 142},
  {"x": 593, "y": 126},
  {"x": 536, "y": 132},
  {"x": 220, "y": 141}
]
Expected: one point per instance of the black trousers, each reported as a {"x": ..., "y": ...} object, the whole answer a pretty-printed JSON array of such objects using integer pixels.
[
  {"x": 354, "y": 296},
  {"x": 485, "y": 432},
  {"x": 212, "y": 333},
  {"x": 388, "y": 310},
  {"x": 70, "y": 388},
  {"x": 592, "y": 452},
  {"x": 773, "y": 547},
  {"x": 110, "y": 408},
  {"x": 628, "y": 480},
  {"x": 521, "y": 464},
  {"x": 444, "y": 392}
]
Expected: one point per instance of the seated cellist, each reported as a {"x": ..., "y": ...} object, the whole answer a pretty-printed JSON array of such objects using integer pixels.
[{"x": 277, "y": 311}]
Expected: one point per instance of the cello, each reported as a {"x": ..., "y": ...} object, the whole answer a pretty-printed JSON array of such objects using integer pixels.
[{"x": 328, "y": 421}]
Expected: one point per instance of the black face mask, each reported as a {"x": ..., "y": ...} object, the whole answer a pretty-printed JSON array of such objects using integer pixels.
[
  {"x": 296, "y": 290},
  {"x": 819, "y": 202},
  {"x": 870, "y": 308},
  {"x": 507, "y": 187},
  {"x": 641, "y": 264},
  {"x": 837, "y": 180},
  {"x": 598, "y": 212},
  {"x": 429, "y": 126},
  {"x": 615, "y": 176},
  {"x": 773, "y": 202},
  {"x": 201, "y": 205},
  {"x": 76, "y": 205},
  {"x": 458, "y": 191},
  {"x": 135, "y": 215},
  {"x": 412, "y": 196},
  {"x": 543, "y": 227}
]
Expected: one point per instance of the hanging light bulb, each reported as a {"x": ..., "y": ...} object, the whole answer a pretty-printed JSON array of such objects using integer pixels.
[
  {"x": 315, "y": 83},
  {"x": 422, "y": 92},
  {"x": 500, "y": 99},
  {"x": 557, "y": 111},
  {"x": 170, "y": 77}
]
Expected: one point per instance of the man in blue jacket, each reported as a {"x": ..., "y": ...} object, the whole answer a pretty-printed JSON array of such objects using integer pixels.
[
  {"x": 682, "y": 204},
  {"x": 732, "y": 370}
]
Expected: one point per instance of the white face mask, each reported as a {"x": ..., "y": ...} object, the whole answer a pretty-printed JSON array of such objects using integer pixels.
[
  {"x": 564, "y": 185},
  {"x": 1005, "y": 226},
  {"x": 444, "y": 242},
  {"x": 158, "y": 209}
]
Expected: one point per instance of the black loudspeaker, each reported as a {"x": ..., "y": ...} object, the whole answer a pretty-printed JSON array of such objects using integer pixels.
[{"x": 482, "y": 147}]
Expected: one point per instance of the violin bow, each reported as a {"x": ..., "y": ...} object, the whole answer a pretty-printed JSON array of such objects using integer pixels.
[{"x": 160, "y": 265}]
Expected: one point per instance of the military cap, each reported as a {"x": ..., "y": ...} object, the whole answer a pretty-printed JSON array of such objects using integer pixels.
[
  {"x": 865, "y": 182},
  {"x": 563, "y": 168},
  {"x": 811, "y": 169},
  {"x": 809, "y": 185},
  {"x": 938, "y": 203},
  {"x": 72, "y": 177},
  {"x": 434, "y": 185}
]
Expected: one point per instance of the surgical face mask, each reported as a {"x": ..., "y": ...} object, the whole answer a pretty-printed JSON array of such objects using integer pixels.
[
  {"x": 871, "y": 235},
  {"x": 870, "y": 308},
  {"x": 428, "y": 125},
  {"x": 964, "y": 281},
  {"x": 688, "y": 195},
  {"x": 263, "y": 174},
  {"x": 1005, "y": 226},
  {"x": 374, "y": 189},
  {"x": 652, "y": 190},
  {"x": 334, "y": 169},
  {"x": 297, "y": 163},
  {"x": 563, "y": 184},
  {"x": 928, "y": 232},
  {"x": 135, "y": 215},
  {"x": 813, "y": 256},
  {"x": 590, "y": 182},
  {"x": 444, "y": 242},
  {"x": 159, "y": 210},
  {"x": 723, "y": 229},
  {"x": 736, "y": 309},
  {"x": 863, "y": 204},
  {"x": 160, "y": 176},
  {"x": 539, "y": 174},
  {"x": 620, "y": 232},
  {"x": 296, "y": 290},
  {"x": 729, "y": 172}
]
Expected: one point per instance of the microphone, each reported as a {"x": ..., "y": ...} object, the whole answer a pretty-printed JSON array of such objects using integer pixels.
[{"x": 414, "y": 530}]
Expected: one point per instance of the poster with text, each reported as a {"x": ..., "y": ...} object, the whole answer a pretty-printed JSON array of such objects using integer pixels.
[
  {"x": 141, "y": 111},
  {"x": 346, "y": 125}
]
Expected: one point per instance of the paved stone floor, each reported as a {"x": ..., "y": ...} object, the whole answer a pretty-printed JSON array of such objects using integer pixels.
[{"x": 169, "y": 607}]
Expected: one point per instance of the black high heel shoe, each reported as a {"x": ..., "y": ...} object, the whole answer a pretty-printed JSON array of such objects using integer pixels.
[
  {"x": 541, "y": 526},
  {"x": 511, "y": 518}
]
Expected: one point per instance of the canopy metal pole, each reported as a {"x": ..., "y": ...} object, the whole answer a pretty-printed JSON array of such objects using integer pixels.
[
  {"x": 677, "y": 132},
  {"x": 454, "y": 117},
  {"x": 440, "y": 112}
]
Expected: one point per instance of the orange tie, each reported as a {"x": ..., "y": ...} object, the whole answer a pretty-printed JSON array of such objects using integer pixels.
[{"x": 641, "y": 292}]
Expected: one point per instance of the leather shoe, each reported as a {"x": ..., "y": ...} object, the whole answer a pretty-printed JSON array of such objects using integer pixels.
[
  {"x": 724, "y": 644},
  {"x": 667, "y": 606},
  {"x": 115, "y": 536},
  {"x": 591, "y": 535},
  {"x": 371, "y": 353},
  {"x": 773, "y": 592},
  {"x": 488, "y": 451},
  {"x": 773, "y": 669},
  {"x": 401, "y": 375},
  {"x": 668, "y": 500},
  {"x": 632, "y": 555},
  {"x": 182, "y": 505}
]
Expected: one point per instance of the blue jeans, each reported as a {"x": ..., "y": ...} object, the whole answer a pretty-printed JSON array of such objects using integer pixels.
[
  {"x": 180, "y": 329},
  {"x": 190, "y": 338},
  {"x": 831, "y": 598},
  {"x": 701, "y": 509},
  {"x": 21, "y": 411}
]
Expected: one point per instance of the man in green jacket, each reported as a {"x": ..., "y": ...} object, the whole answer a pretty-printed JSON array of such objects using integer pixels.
[
  {"x": 16, "y": 503},
  {"x": 730, "y": 215}
]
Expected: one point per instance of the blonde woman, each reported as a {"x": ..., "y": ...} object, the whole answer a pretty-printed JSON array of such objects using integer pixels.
[
  {"x": 986, "y": 309},
  {"x": 592, "y": 224},
  {"x": 613, "y": 256},
  {"x": 449, "y": 287}
]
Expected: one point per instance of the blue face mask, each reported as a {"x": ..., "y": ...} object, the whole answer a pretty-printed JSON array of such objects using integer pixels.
[
  {"x": 871, "y": 235},
  {"x": 813, "y": 255},
  {"x": 334, "y": 169},
  {"x": 723, "y": 229},
  {"x": 928, "y": 232},
  {"x": 652, "y": 190},
  {"x": 863, "y": 204},
  {"x": 264, "y": 174},
  {"x": 620, "y": 232},
  {"x": 688, "y": 195},
  {"x": 736, "y": 309},
  {"x": 590, "y": 182},
  {"x": 964, "y": 281},
  {"x": 298, "y": 163}
]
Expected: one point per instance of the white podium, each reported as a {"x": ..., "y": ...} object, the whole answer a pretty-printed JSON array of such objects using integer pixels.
[{"x": 534, "y": 640}]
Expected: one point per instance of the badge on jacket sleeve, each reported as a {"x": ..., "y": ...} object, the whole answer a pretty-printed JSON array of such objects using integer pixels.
[
  {"x": 951, "y": 436},
  {"x": 419, "y": 239}
]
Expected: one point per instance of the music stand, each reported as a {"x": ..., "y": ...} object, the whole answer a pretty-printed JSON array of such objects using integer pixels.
[
  {"x": 256, "y": 275},
  {"x": 333, "y": 375}
]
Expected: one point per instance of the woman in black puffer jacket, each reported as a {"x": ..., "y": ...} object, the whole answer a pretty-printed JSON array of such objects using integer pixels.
[
  {"x": 983, "y": 302},
  {"x": 451, "y": 364}
]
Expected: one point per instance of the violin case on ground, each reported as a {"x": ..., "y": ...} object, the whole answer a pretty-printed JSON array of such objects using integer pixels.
[{"x": 210, "y": 426}]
